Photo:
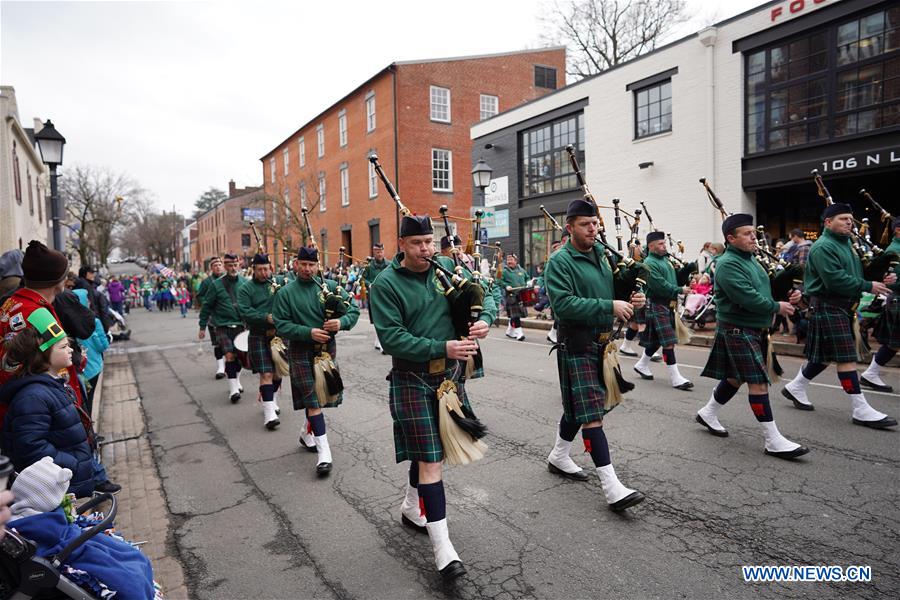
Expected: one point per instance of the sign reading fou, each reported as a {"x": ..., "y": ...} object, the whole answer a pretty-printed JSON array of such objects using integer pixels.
[{"x": 792, "y": 8}]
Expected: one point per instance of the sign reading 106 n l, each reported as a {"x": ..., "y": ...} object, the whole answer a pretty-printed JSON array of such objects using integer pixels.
[{"x": 864, "y": 160}]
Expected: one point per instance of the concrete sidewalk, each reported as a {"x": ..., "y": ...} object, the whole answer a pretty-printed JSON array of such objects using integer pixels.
[{"x": 143, "y": 514}]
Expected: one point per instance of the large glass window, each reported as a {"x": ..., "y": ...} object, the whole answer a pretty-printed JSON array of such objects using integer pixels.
[
  {"x": 792, "y": 99},
  {"x": 370, "y": 113},
  {"x": 489, "y": 106},
  {"x": 653, "y": 109},
  {"x": 545, "y": 163},
  {"x": 440, "y": 104},
  {"x": 538, "y": 237},
  {"x": 544, "y": 77},
  {"x": 441, "y": 170}
]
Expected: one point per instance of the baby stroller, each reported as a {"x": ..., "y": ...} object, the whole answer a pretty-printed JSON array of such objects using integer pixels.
[
  {"x": 702, "y": 315},
  {"x": 24, "y": 576},
  {"x": 119, "y": 329}
]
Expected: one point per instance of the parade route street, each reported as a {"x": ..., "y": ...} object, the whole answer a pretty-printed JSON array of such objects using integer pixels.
[{"x": 252, "y": 520}]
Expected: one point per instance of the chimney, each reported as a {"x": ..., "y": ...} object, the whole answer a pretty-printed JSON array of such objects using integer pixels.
[{"x": 231, "y": 189}]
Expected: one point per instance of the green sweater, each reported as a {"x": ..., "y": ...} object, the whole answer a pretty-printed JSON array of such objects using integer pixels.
[
  {"x": 894, "y": 247},
  {"x": 513, "y": 277},
  {"x": 373, "y": 269},
  {"x": 218, "y": 307},
  {"x": 662, "y": 285},
  {"x": 297, "y": 309},
  {"x": 742, "y": 289},
  {"x": 580, "y": 287},
  {"x": 411, "y": 314},
  {"x": 833, "y": 269},
  {"x": 255, "y": 301}
]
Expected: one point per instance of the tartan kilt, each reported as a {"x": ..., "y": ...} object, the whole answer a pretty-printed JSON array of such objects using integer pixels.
[
  {"x": 660, "y": 330},
  {"x": 830, "y": 335},
  {"x": 213, "y": 336},
  {"x": 414, "y": 406},
  {"x": 581, "y": 384},
  {"x": 260, "y": 354},
  {"x": 515, "y": 308},
  {"x": 303, "y": 379},
  {"x": 887, "y": 330},
  {"x": 225, "y": 337},
  {"x": 737, "y": 353}
]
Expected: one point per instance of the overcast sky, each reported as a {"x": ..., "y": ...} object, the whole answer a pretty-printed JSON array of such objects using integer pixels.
[{"x": 182, "y": 96}]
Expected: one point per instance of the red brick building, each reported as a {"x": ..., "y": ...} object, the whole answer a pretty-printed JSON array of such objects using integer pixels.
[
  {"x": 416, "y": 116},
  {"x": 225, "y": 227}
]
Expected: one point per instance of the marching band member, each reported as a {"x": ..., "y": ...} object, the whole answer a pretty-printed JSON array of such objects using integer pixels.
[
  {"x": 255, "y": 299},
  {"x": 414, "y": 323},
  {"x": 662, "y": 292},
  {"x": 220, "y": 308},
  {"x": 299, "y": 317},
  {"x": 833, "y": 278},
  {"x": 738, "y": 356},
  {"x": 372, "y": 270},
  {"x": 513, "y": 279},
  {"x": 580, "y": 285},
  {"x": 888, "y": 331},
  {"x": 215, "y": 271}
]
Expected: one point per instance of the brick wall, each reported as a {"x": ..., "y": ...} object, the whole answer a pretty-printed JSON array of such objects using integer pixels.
[{"x": 219, "y": 229}]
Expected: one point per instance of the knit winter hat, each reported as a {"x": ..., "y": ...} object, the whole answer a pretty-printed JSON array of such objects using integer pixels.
[
  {"x": 43, "y": 267},
  {"x": 39, "y": 488}
]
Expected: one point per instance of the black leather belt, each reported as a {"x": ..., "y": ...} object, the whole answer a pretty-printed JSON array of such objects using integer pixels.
[
  {"x": 847, "y": 304},
  {"x": 729, "y": 329},
  {"x": 432, "y": 367}
]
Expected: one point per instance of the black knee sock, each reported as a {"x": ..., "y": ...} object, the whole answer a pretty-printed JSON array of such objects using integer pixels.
[
  {"x": 231, "y": 368},
  {"x": 595, "y": 443},
  {"x": 568, "y": 429},
  {"x": 267, "y": 392},
  {"x": 762, "y": 410},
  {"x": 516, "y": 322},
  {"x": 724, "y": 392},
  {"x": 276, "y": 385},
  {"x": 414, "y": 473},
  {"x": 631, "y": 334},
  {"x": 849, "y": 382},
  {"x": 883, "y": 355},
  {"x": 651, "y": 350},
  {"x": 432, "y": 498},
  {"x": 217, "y": 352},
  {"x": 317, "y": 423},
  {"x": 812, "y": 370},
  {"x": 669, "y": 356}
]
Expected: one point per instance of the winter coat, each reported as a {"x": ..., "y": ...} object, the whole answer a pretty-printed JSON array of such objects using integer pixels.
[
  {"x": 96, "y": 344},
  {"x": 116, "y": 291},
  {"x": 42, "y": 421}
]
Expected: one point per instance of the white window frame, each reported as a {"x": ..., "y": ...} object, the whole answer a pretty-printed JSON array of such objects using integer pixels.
[
  {"x": 320, "y": 140},
  {"x": 370, "y": 113},
  {"x": 304, "y": 201},
  {"x": 286, "y": 155},
  {"x": 431, "y": 97},
  {"x": 272, "y": 170},
  {"x": 373, "y": 181},
  {"x": 301, "y": 149},
  {"x": 345, "y": 186},
  {"x": 322, "y": 190},
  {"x": 496, "y": 106},
  {"x": 449, "y": 170},
  {"x": 342, "y": 128}
]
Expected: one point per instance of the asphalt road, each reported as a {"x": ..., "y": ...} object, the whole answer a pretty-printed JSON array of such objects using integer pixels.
[{"x": 253, "y": 521}]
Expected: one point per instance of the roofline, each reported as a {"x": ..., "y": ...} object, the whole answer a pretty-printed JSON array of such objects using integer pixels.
[
  {"x": 23, "y": 134},
  {"x": 480, "y": 56},
  {"x": 390, "y": 68},
  {"x": 636, "y": 59},
  {"x": 260, "y": 188}
]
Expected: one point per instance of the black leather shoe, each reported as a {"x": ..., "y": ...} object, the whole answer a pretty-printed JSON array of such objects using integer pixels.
[
  {"x": 273, "y": 424},
  {"x": 797, "y": 404},
  {"x": 627, "y": 352},
  {"x": 628, "y": 501},
  {"x": 577, "y": 475},
  {"x": 687, "y": 385},
  {"x": 790, "y": 454},
  {"x": 715, "y": 432},
  {"x": 107, "y": 487},
  {"x": 220, "y": 376},
  {"x": 874, "y": 386},
  {"x": 407, "y": 523},
  {"x": 453, "y": 570},
  {"x": 643, "y": 375},
  {"x": 235, "y": 398},
  {"x": 882, "y": 424},
  {"x": 308, "y": 448},
  {"x": 323, "y": 469}
]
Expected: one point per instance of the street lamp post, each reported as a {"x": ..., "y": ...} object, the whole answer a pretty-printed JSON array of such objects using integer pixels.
[
  {"x": 481, "y": 177},
  {"x": 50, "y": 143}
]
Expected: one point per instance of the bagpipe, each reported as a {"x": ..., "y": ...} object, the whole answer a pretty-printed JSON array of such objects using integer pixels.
[
  {"x": 460, "y": 430},
  {"x": 683, "y": 270},
  {"x": 626, "y": 271},
  {"x": 333, "y": 304}
]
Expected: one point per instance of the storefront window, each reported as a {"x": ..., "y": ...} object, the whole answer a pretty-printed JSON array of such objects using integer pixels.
[
  {"x": 545, "y": 163},
  {"x": 537, "y": 240},
  {"x": 789, "y": 96}
]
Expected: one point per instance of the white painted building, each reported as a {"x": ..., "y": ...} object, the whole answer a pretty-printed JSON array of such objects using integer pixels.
[
  {"x": 24, "y": 180},
  {"x": 755, "y": 102}
]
